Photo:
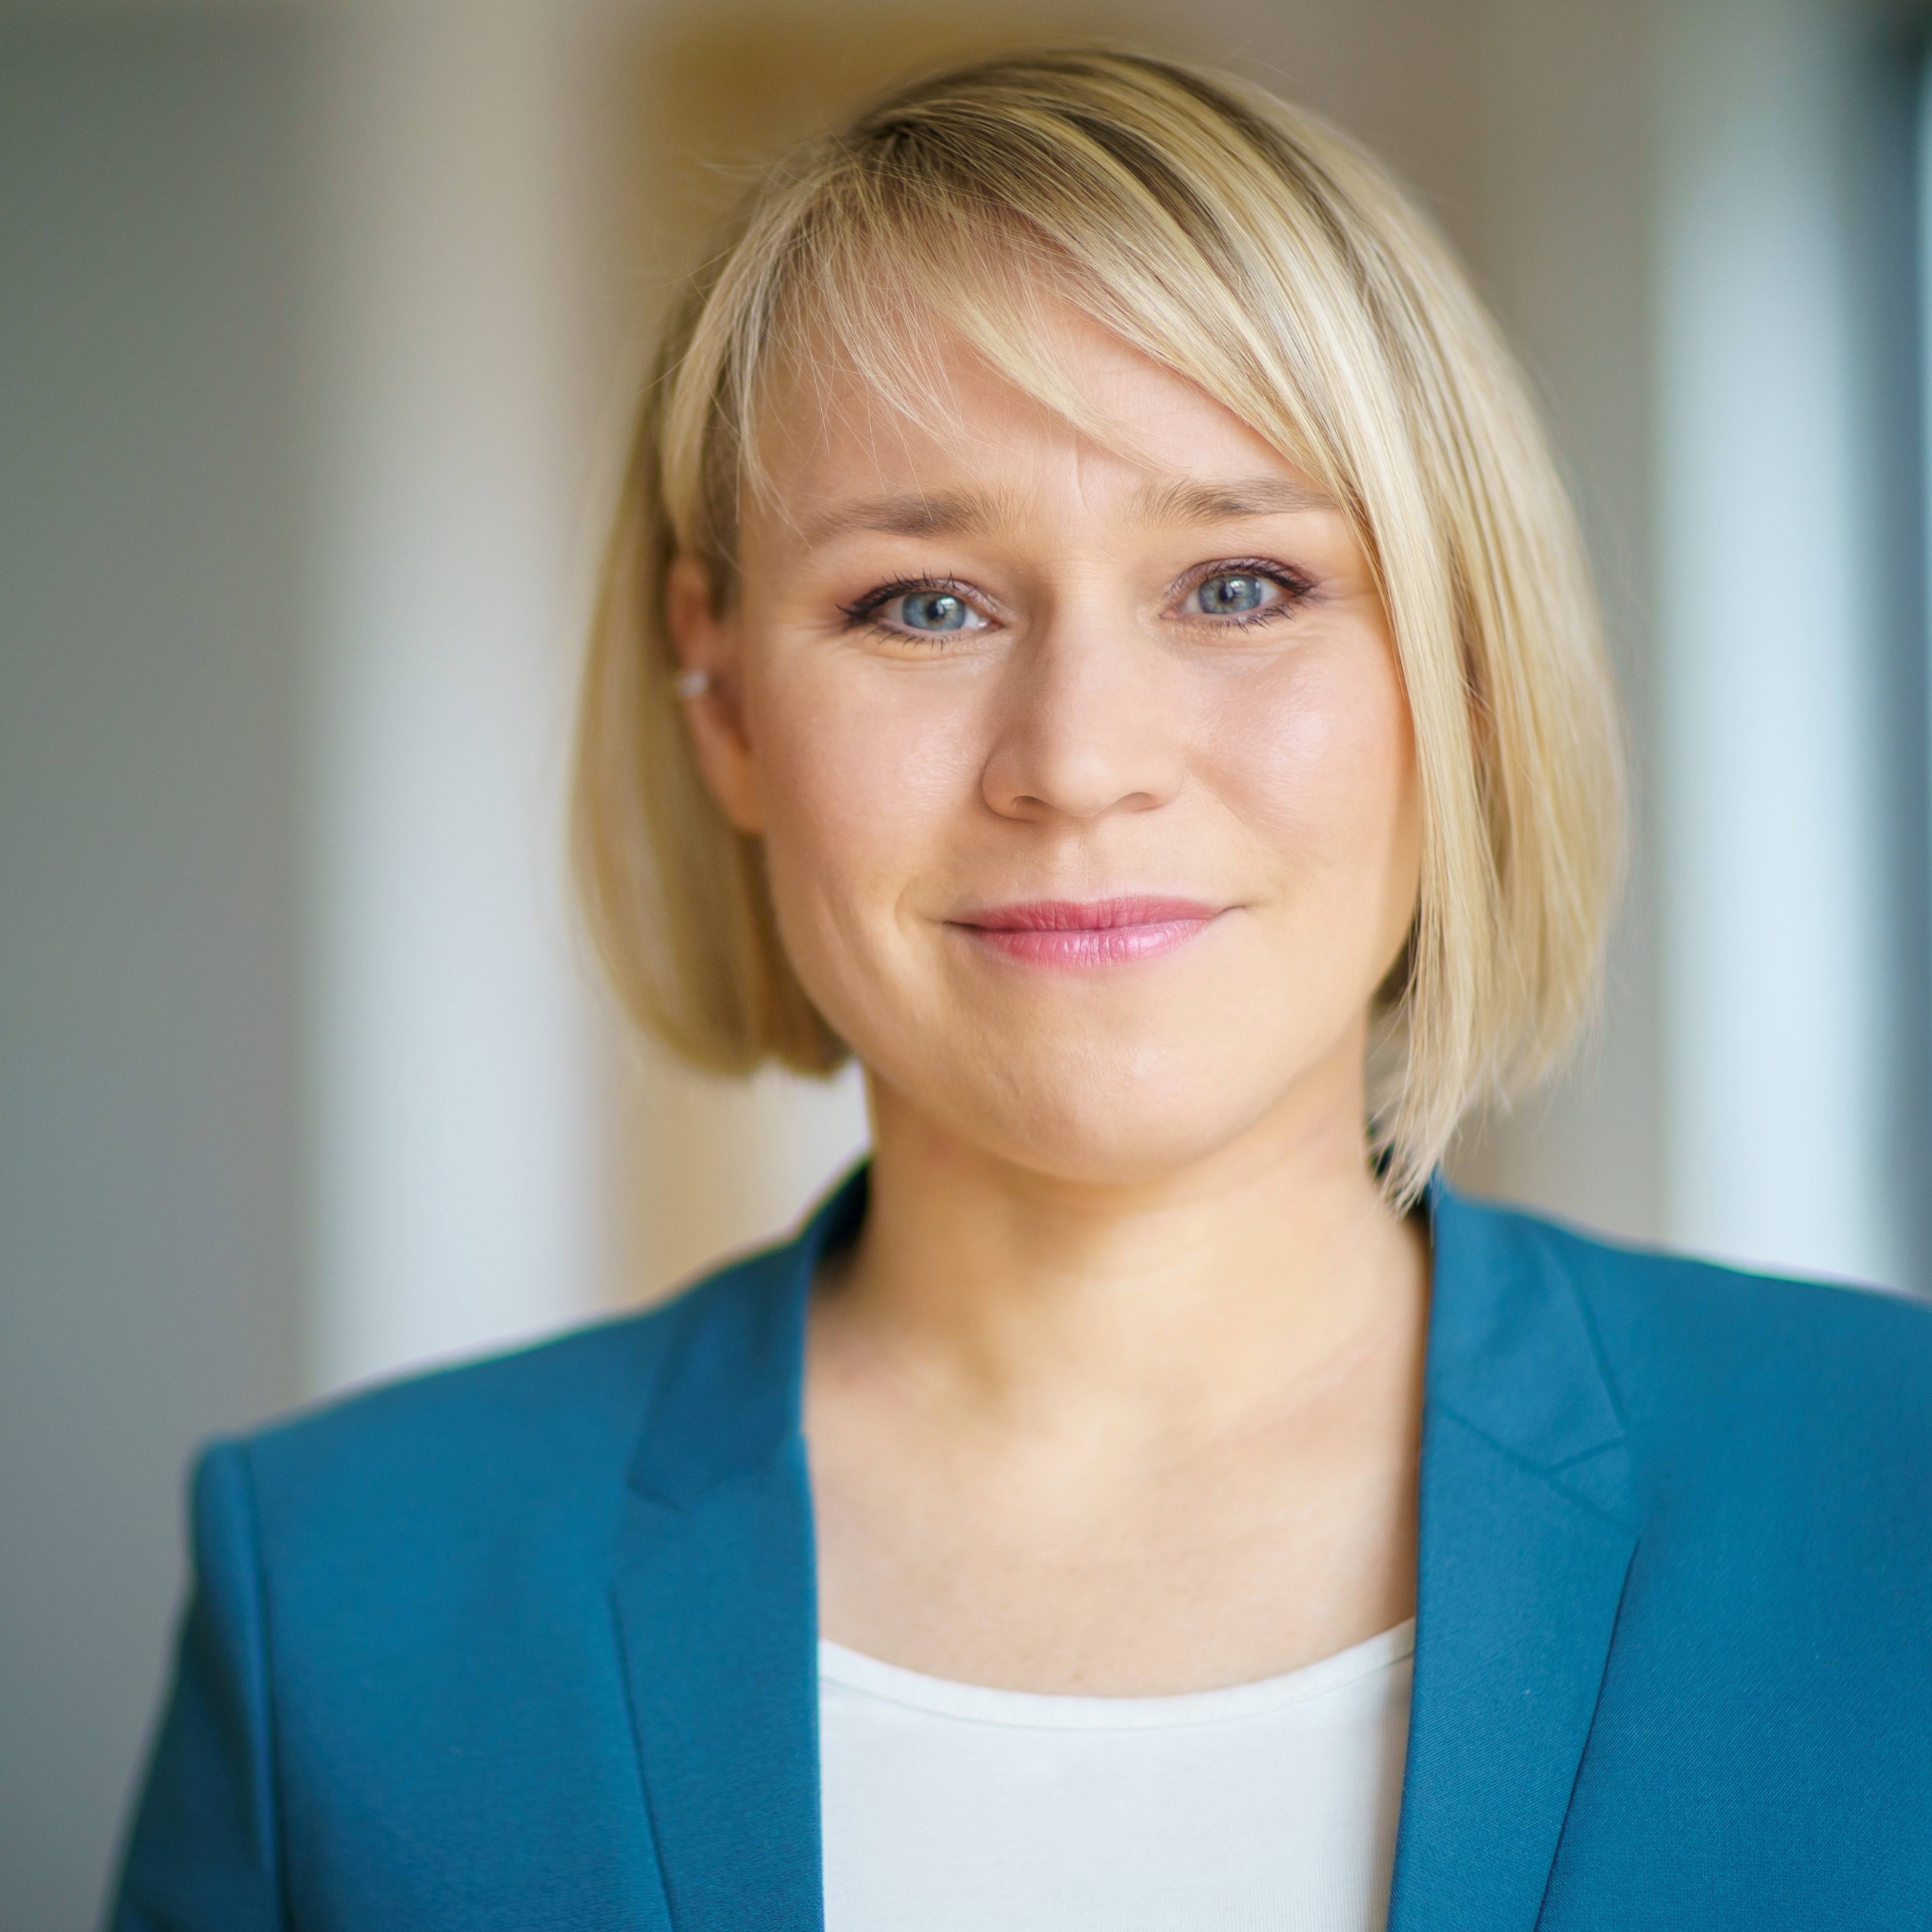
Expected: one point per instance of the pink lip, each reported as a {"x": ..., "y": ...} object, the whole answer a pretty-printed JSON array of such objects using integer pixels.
[{"x": 1100, "y": 932}]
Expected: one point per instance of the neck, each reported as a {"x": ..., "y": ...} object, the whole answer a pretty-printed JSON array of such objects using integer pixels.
[{"x": 1193, "y": 1297}]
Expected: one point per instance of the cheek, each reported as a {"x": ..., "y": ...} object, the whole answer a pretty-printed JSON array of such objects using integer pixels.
[
  {"x": 858, "y": 780},
  {"x": 1321, "y": 767}
]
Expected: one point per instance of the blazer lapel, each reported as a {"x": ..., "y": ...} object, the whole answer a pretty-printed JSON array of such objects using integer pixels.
[
  {"x": 715, "y": 1601},
  {"x": 1529, "y": 1522}
]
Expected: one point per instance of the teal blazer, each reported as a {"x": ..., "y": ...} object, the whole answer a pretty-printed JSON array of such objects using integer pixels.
[{"x": 531, "y": 1644}]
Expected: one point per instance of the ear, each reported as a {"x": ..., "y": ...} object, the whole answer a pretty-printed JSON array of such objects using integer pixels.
[{"x": 706, "y": 641}]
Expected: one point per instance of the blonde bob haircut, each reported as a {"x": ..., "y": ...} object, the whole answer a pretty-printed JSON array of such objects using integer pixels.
[{"x": 1245, "y": 245}]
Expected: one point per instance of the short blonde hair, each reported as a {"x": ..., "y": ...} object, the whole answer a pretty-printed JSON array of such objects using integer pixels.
[{"x": 1244, "y": 244}]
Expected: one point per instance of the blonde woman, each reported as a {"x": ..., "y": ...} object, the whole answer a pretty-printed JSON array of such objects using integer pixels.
[{"x": 1092, "y": 631}]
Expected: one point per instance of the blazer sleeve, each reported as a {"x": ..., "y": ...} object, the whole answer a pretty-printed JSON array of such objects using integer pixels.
[{"x": 203, "y": 1853}]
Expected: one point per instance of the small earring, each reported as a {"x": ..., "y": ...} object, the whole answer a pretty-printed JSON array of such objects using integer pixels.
[{"x": 691, "y": 684}]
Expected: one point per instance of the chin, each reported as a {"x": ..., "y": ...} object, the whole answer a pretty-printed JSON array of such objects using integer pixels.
[{"x": 1121, "y": 1121}]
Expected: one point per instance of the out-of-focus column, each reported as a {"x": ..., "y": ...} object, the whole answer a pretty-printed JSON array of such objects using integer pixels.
[
  {"x": 455, "y": 1189},
  {"x": 1791, "y": 824}
]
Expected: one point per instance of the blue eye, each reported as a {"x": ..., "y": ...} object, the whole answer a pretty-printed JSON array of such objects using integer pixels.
[
  {"x": 937, "y": 609},
  {"x": 933, "y": 611},
  {"x": 1236, "y": 593}
]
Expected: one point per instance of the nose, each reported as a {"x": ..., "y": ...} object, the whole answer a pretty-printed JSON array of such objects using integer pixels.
[{"x": 1089, "y": 728}]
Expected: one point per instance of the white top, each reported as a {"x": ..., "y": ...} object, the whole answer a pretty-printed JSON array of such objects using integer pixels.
[{"x": 949, "y": 1808}]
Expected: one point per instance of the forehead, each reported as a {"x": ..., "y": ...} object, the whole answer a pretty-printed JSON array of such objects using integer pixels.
[{"x": 913, "y": 429}]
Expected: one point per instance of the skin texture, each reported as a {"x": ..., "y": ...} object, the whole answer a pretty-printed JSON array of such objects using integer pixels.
[{"x": 1119, "y": 1392}]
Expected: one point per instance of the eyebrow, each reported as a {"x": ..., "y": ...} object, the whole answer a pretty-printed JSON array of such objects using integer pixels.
[
  {"x": 1179, "y": 502},
  {"x": 959, "y": 512},
  {"x": 948, "y": 513}
]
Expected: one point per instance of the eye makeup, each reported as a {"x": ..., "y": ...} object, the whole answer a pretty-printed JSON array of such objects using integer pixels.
[
  {"x": 938, "y": 592},
  {"x": 864, "y": 613},
  {"x": 1295, "y": 586}
]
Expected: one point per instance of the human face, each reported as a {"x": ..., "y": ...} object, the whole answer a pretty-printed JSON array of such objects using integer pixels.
[{"x": 1084, "y": 771}]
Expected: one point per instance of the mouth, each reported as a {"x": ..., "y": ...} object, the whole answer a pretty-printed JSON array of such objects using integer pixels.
[{"x": 1089, "y": 933}]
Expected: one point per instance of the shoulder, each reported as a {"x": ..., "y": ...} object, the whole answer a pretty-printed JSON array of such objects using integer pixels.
[
  {"x": 1710, "y": 1364},
  {"x": 538, "y": 1433},
  {"x": 1663, "y": 1312},
  {"x": 1769, "y": 1458}
]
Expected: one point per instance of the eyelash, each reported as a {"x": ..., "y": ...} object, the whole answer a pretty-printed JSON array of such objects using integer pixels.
[
  {"x": 1295, "y": 588},
  {"x": 865, "y": 610}
]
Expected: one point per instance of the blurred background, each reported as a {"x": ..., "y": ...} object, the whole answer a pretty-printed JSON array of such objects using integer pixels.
[{"x": 318, "y": 328}]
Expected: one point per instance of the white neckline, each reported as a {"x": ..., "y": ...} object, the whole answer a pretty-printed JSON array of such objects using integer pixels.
[{"x": 979, "y": 1703}]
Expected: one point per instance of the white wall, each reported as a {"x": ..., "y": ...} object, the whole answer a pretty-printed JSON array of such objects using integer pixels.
[
  {"x": 1790, "y": 673},
  {"x": 457, "y": 1203}
]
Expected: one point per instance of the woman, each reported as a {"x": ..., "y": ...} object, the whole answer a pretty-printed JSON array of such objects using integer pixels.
[{"x": 1093, "y": 631}]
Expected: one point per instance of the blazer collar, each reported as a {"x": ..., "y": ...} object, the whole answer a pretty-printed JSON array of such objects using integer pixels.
[
  {"x": 716, "y": 1597},
  {"x": 728, "y": 1397},
  {"x": 1528, "y": 1522},
  {"x": 1510, "y": 1352}
]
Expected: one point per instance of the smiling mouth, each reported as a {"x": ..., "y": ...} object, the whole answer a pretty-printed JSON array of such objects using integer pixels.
[{"x": 1099, "y": 932}]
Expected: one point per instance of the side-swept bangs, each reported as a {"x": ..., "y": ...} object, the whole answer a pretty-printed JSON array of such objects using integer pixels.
[{"x": 1254, "y": 250}]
